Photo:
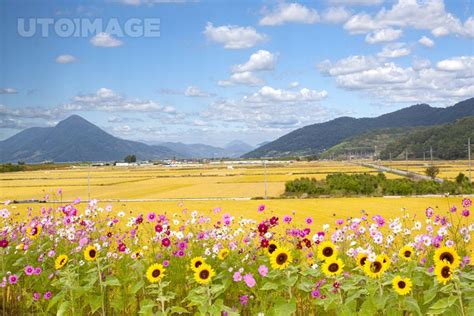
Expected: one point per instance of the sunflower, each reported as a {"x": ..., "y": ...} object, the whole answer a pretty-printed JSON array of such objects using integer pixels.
[
  {"x": 60, "y": 261},
  {"x": 406, "y": 253},
  {"x": 374, "y": 269},
  {"x": 280, "y": 258},
  {"x": 402, "y": 285},
  {"x": 361, "y": 259},
  {"x": 444, "y": 272},
  {"x": 326, "y": 250},
  {"x": 332, "y": 266},
  {"x": 33, "y": 232},
  {"x": 385, "y": 261},
  {"x": 446, "y": 254},
  {"x": 272, "y": 246},
  {"x": 223, "y": 253},
  {"x": 196, "y": 262},
  {"x": 204, "y": 274},
  {"x": 90, "y": 253},
  {"x": 155, "y": 272}
]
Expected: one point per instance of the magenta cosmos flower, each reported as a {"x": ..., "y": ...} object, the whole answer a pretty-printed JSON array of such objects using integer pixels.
[
  {"x": 309, "y": 220},
  {"x": 237, "y": 277},
  {"x": 47, "y": 295},
  {"x": 13, "y": 279},
  {"x": 287, "y": 219},
  {"x": 249, "y": 280},
  {"x": 261, "y": 208},
  {"x": 166, "y": 242},
  {"x": 29, "y": 270},
  {"x": 151, "y": 216}
]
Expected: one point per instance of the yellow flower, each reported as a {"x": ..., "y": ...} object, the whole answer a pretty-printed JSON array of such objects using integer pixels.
[
  {"x": 361, "y": 259},
  {"x": 60, "y": 261},
  {"x": 204, "y": 274},
  {"x": 33, "y": 232},
  {"x": 444, "y": 272},
  {"x": 447, "y": 254},
  {"x": 402, "y": 285},
  {"x": 155, "y": 272},
  {"x": 280, "y": 258},
  {"x": 374, "y": 269},
  {"x": 223, "y": 253},
  {"x": 406, "y": 253},
  {"x": 326, "y": 250},
  {"x": 196, "y": 262},
  {"x": 332, "y": 266},
  {"x": 385, "y": 261},
  {"x": 90, "y": 253}
]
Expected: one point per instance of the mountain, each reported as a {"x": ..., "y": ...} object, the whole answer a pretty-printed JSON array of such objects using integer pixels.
[
  {"x": 196, "y": 150},
  {"x": 237, "y": 148},
  {"x": 316, "y": 138},
  {"x": 75, "y": 139}
]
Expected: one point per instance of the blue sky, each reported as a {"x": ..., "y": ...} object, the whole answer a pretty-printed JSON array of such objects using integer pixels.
[{"x": 219, "y": 71}]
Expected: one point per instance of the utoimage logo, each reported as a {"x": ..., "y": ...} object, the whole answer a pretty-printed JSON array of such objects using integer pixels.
[{"x": 83, "y": 27}]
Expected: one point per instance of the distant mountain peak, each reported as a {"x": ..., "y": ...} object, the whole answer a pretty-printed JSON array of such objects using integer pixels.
[{"x": 75, "y": 120}]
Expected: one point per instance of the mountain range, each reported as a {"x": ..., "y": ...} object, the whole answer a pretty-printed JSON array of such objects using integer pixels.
[
  {"x": 316, "y": 138},
  {"x": 76, "y": 139}
]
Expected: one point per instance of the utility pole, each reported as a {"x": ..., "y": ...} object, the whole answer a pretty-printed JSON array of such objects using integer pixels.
[
  {"x": 431, "y": 154},
  {"x": 406, "y": 157},
  {"x": 265, "y": 172},
  {"x": 89, "y": 184},
  {"x": 469, "y": 158},
  {"x": 424, "y": 155}
]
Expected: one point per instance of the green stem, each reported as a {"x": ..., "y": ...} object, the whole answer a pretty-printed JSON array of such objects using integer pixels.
[
  {"x": 101, "y": 288},
  {"x": 161, "y": 299},
  {"x": 458, "y": 290}
]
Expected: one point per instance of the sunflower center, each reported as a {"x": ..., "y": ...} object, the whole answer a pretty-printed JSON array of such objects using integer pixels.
[
  {"x": 447, "y": 256},
  {"x": 402, "y": 284},
  {"x": 92, "y": 253},
  {"x": 204, "y": 274},
  {"x": 197, "y": 264},
  {"x": 445, "y": 272},
  {"x": 333, "y": 267},
  {"x": 272, "y": 248},
  {"x": 376, "y": 266},
  {"x": 407, "y": 253},
  {"x": 328, "y": 251},
  {"x": 34, "y": 230},
  {"x": 363, "y": 260},
  {"x": 156, "y": 273},
  {"x": 281, "y": 258},
  {"x": 62, "y": 261}
]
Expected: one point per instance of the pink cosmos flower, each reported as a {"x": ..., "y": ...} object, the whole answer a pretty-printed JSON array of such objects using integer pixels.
[
  {"x": 465, "y": 213},
  {"x": 287, "y": 219},
  {"x": 249, "y": 280},
  {"x": 309, "y": 220},
  {"x": 151, "y": 216},
  {"x": 263, "y": 270},
  {"x": 38, "y": 271},
  {"x": 47, "y": 295},
  {"x": 261, "y": 208},
  {"x": 29, "y": 270},
  {"x": 36, "y": 296},
  {"x": 237, "y": 276},
  {"x": 13, "y": 279}
]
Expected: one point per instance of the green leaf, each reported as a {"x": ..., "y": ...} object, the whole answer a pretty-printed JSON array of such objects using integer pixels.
[
  {"x": 412, "y": 305},
  {"x": 442, "y": 305},
  {"x": 269, "y": 286},
  {"x": 95, "y": 302},
  {"x": 63, "y": 307},
  {"x": 146, "y": 307},
  {"x": 368, "y": 307},
  {"x": 178, "y": 310},
  {"x": 112, "y": 281},
  {"x": 283, "y": 308},
  {"x": 137, "y": 286},
  {"x": 429, "y": 295}
]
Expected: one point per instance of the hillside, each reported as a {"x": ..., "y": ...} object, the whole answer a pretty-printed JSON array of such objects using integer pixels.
[
  {"x": 316, "y": 138},
  {"x": 74, "y": 139}
]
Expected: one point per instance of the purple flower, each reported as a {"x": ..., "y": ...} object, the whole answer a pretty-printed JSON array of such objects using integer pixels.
[
  {"x": 287, "y": 219},
  {"x": 263, "y": 270},
  {"x": 166, "y": 242},
  {"x": 465, "y": 213},
  {"x": 36, "y": 296},
  {"x": 166, "y": 263},
  {"x": 431, "y": 269},
  {"x": 29, "y": 270},
  {"x": 315, "y": 293},
  {"x": 13, "y": 279},
  {"x": 4, "y": 243},
  {"x": 249, "y": 280},
  {"x": 261, "y": 208},
  {"x": 466, "y": 202},
  {"x": 379, "y": 220},
  {"x": 339, "y": 221},
  {"x": 453, "y": 209},
  {"x": 429, "y": 212},
  {"x": 47, "y": 295},
  {"x": 309, "y": 220},
  {"x": 38, "y": 271},
  {"x": 237, "y": 276},
  {"x": 151, "y": 216},
  {"x": 244, "y": 299}
]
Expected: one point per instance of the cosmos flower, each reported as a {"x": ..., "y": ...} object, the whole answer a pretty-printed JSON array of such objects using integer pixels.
[{"x": 263, "y": 270}]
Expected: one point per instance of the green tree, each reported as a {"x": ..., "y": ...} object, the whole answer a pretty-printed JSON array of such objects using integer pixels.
[
  {"x": 432, "y": 171},
  {"x": 130, "y": 159}
]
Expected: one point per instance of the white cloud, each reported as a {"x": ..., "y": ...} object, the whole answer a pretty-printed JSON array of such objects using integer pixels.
[
  {"x": 290, "y": 13},
  {"x": 8, "y": 91},
  {"x": 394, "y": 51},
  {"x": 335, "y": 15},
  {"x": 356, "y": 2},
  {"x": 423, "y": 15},
  {"x": 244, "y": 78},
  {"x": 261, "y": 60},
  {"x": 383, "y": 35},
  {"x": 451, "y": 81},
  {"x": 193, "y": 91},
  {"x": 268, "y": 94},
  {"x": 105, "y": 40},
  {"x": 293, "y": 84},
  {"x": 66, "y": 59},
  {"x": 233, "y": 36},
  {"x": 426, "y": 41}
]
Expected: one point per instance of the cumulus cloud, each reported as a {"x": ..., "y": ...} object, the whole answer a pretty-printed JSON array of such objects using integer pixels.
[
  {"x": 105, "y": 40},
  {"x": 66, "y": 59},
  {"x": 426, "y": 41},
  {"x": 383, "y": 35},
  {"x": 261, "y": 60},
  {"x": 233, "y": 36},
  {"x": 193, "y": 91},
  {"x": 244, "y": 78},
  {"x": 8, "y": 91},
  {"x": 335, "y": 15},
  {"x": 450, "y": 81},
  {"x": 423, "y": 15},
  {"x": 290, "y": 13},
  {"x": 394, "y": 51},
  {"x": 268, "y": 94}
]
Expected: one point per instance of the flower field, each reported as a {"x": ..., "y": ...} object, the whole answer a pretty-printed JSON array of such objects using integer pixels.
[{"x": 78, "y": 259}]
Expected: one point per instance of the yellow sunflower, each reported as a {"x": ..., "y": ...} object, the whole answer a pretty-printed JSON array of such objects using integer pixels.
[
  {"x": 361, "y": 259},
  {"x": 385, "y": 261},
  {"x": 60, "y": 261},
  {"x": 196, "y": 262},
  {"x": 90, "y": 253},
  {"x": 447, "y": 254},
  {"x": 374, "y": 269},
  {"x": 33, "y": 232},
  {"x": 281, "y": 258},
  {"x": 402, "y": 285},
  {"x": 444, "y": 272},
  {"x": 332, "y": 266},
  {"x": 223, "y": 253},
  {"x": 406, "y": 253},
  {"x": 272, "y": 246},
  {"x": 326, "y": 250},
  {"x": 155, "y": 272},
  {"x": 204, "y": 274}
]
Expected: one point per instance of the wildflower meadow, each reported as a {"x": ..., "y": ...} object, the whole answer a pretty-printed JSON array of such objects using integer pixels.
[{"x": 90, "y": 259}]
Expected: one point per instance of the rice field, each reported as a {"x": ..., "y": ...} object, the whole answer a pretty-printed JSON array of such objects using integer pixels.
[{"x": 448, "y": 169}]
